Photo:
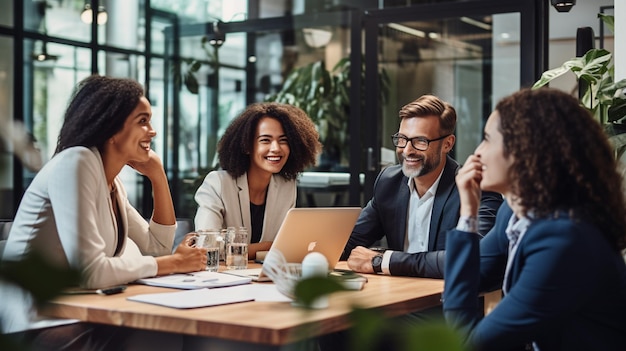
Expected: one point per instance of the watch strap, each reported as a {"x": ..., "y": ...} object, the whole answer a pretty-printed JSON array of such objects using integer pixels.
[{"x": 377, "y": 262}]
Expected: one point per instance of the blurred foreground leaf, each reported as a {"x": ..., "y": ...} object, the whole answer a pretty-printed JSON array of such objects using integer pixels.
[
  {"x": 37, "y": 275},
  {"x": 309, "y": 289},
  {"x": 374, "y": 331}
]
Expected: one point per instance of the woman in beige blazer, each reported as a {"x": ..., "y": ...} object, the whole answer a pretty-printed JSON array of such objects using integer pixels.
[{"x": 261, "y": 153}]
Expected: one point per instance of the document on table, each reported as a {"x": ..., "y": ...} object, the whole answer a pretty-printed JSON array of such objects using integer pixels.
[
  {"x": 195, "y": 280},
  {"x": 213, "y": 297},
  {"x": 191, "y": 298}
]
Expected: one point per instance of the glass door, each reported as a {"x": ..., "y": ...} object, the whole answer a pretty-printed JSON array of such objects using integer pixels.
[{"x": 470, "y": 60}]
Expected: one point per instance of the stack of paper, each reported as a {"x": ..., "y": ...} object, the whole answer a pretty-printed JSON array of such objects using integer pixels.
[{"x": 196, "y": 280}]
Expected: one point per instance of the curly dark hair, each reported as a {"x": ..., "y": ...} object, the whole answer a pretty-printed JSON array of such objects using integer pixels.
[
  {"x": 236, "y": 144},
  {"x": 97, "y": 110},
  {"x": 430, "y": 105},
  {"x": 562, "y": 159}
]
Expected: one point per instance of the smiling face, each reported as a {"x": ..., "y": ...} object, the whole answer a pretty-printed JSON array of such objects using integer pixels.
[
  {"x": 495, "y": 175},
  {"x": 416, "y": 163},
  {"x": 132, "y": 143},
  {"x": 270, "y": 149}
]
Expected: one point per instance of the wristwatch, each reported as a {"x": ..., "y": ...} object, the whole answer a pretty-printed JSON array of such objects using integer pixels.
[{"x": 377, "y": 262}]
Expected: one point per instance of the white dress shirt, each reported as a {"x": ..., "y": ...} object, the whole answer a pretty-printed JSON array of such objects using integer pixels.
[{"x": 420, "y": 211}]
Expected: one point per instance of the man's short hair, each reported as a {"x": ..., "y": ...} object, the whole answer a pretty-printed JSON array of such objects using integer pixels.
[{"x": 430, "y": 105}]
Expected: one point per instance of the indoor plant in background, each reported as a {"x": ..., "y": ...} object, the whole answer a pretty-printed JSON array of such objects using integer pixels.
[{"x": 602, "y": 95}]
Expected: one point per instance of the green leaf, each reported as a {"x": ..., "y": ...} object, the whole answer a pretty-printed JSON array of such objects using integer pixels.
[
  {"x": 550, "y": 75},
  {"x": 37, "y": 275},
  {"x": 327, "y": 86},
  {"x": 342, "y": 65},
  {"x": 369, "y": 327},
  {"x": 617, "y": 110},
  {"x": 191, "y": 83},
  {"x": 309, "y": 289},
  {"x": 609, "y": 20},
  {"x": 317, "y": 80},
  {"x": 619, "y": 144},
  {"x": 594, "y": 65},
  {"x": 589, "y": 68},
  {"x": 195, "y": 66},
  {"x": 373, "y": 331},
  {"x": 433, "y": 336}
]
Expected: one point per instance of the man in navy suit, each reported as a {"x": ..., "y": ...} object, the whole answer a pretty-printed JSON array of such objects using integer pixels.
[{"x": 416, "y": 201}]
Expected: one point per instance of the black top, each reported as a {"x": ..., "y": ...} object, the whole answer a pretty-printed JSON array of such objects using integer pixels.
[{"x": 257, "y": 213}]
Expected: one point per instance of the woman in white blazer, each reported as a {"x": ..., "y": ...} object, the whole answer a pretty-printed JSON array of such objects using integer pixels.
[
  {"x": 76, "y": 212},
  {"x": 261, "y": 153}
]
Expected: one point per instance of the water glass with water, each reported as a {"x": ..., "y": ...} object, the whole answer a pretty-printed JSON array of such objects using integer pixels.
[
  {"x": 210, "y": 240},
  {"x": 237, "y": 249}
]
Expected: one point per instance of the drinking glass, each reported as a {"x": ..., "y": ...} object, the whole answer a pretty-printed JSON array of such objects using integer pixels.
[
  {"x": 237, "y": 249},
  {"x": 210, "y": 240}
]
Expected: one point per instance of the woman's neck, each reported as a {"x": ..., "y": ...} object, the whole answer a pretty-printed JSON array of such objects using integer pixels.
[
  {"x": 257, "y": 186},
  {"x": 514, "y": 203},
  {"x": 112, "y": 166}
]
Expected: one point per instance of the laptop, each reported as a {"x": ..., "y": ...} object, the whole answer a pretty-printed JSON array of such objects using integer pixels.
[{"x": 322, "y": 229}]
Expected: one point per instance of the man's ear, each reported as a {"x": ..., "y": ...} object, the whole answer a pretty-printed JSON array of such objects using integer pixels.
[{"x": 448, "y": 143}]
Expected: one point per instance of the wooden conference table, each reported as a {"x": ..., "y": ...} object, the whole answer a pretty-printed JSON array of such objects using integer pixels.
[{"x": 267, "y": 323}]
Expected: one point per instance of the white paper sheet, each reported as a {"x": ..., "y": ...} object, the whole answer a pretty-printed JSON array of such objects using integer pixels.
[
  {"x": 191, "y": 298},
  {"x": 195, "y": 280},
  {"x": 213, "y": 297}
]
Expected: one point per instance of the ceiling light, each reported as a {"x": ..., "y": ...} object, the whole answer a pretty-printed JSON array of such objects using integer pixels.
[
  {"x": 217, "y": 38},
  {"x": 87, "y": 14},
  {"x": 316, "y": 37},
  {"x": 563, "y": 5},
  {"x": 44, "y": 55},
  {"x": 476, "y": 23},
  {"x": 407, "y": 30}
]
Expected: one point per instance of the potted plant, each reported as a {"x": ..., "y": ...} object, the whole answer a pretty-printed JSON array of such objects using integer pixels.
[{"x": 602, "y": 96}]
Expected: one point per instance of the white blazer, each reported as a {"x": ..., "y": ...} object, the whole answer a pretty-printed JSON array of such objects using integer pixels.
[
  {"x": 225, "y": 202},
  {"x": 66, "y": 213}
]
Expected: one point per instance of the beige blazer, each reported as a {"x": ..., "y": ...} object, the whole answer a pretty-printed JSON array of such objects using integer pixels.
[{"x": 225, "y": 202}]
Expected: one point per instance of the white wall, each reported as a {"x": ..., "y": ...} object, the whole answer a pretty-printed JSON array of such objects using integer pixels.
[
  {"x": 620, "y": 37},
  {"x": 563, "y": 27}
]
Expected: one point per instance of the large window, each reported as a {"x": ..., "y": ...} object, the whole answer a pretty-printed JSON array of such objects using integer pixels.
[
  {"x": 469, "y": 54},
  {"x": 7, "y": 206}
]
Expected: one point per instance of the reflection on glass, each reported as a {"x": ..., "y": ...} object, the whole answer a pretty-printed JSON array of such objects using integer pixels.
[
  {"x": 6, "y": 15},
  {"x": 454, "y": 59},
  {"x": 56, "y": 18},
  {"x": 124, "y": 26},
  {"x": 6, "y": 99}
]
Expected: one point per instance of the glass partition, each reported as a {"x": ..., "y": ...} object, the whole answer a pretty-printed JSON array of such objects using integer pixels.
[
  {"x": 467, "y": 61},
  {"x": 7, "y": 206},
  {"x": 469, "y": 54},
  {"x": 6, "y": 15},
  {"x": 124, "y": 26},
  {"x": 57, "y": 18}
]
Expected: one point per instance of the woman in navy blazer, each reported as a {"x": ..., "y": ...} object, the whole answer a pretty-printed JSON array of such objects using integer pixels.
[{"x": 555, "y": 247}]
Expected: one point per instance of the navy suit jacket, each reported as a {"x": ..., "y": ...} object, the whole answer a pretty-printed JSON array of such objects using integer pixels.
[
  {"x": 566, "y": 286},
  {"x": 385, "y": 215}
]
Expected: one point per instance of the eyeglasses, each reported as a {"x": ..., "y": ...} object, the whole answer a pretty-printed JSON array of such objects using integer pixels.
[{"x": 419, "y": 143}]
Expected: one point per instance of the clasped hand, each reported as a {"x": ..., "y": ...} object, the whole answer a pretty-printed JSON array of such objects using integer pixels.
[
  {"x": 468, "y": 181},
  {"x": 360, "y": 260},
  {"x": 150, "y": 168}
]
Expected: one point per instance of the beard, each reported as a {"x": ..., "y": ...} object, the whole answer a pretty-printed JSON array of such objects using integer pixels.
[{"x": 429, "y": 163}]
